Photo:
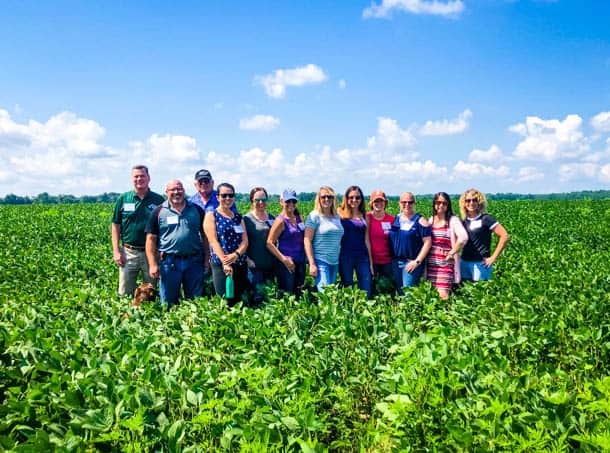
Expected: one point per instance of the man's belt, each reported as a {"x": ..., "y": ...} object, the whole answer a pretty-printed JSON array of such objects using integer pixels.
[{"x": 137, "y": 248}]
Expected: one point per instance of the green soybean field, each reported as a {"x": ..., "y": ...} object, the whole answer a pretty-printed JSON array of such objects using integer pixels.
[{"x": 517, "y": 364}]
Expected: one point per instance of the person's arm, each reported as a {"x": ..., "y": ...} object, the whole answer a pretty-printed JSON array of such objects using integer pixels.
[
  {"x": 503, "y": 236},
  {"x": 274, "y": 233},
  {"x": 151, "y": 255},
  {"x": 461, "y": 237},
  {"x": 209, "y": 228},
  {"x": 421, "y": 256},
  {"x": 367, "y": 242},
  {"x": 117, "y": 257},
  {"x": 308, "y": 242}
]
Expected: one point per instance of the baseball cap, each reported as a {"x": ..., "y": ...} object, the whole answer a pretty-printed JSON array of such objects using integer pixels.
[
  {"x": 289, "y": 194},
  {"x": 203, "y": 174},
  {"x": 378, "y": 194}
]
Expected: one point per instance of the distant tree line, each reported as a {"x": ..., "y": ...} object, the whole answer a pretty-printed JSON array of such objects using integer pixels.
[{"x": 110, "y": 197}]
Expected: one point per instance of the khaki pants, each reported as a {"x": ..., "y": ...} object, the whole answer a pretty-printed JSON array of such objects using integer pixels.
[{"x": 135, "y": 261}]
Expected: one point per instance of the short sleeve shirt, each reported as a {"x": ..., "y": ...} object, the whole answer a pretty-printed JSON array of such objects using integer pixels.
[
  {"x": 178, "y": 233},
  {"x": 479, "y": 231},
  {"x": 379, "y": 234},
  {"x": 132, "y": 212},
  {"x": 327, "y": 236},
  {"x": 229, "y": 233},
  {"x": 258, "y": 231},
  {"x": 406, "y": 237}
]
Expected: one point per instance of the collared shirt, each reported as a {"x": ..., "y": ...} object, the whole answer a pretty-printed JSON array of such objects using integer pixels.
[
  {"x": 211, "y": 204},
  {"x": 178, "y": 233},
  {"x": 132, "y": 213}
]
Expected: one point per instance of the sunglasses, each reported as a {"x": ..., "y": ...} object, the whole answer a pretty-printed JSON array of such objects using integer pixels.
[
  {"x": 407, "y": 202},
  {"x": 355, "y": 197},
  {"x": 205, "y": 181},
  {"x": 327, "y": 197},
  {"x": 224, "y": 196},
  {"x": 471, "y": 200},
  {"x": 440, "y": 203},
  {"x": 290, "y": 202},
  {"x": 260, "y": 200}
]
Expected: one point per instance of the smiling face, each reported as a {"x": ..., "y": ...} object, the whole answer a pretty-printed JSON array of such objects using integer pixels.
[
  {"x": 326, "y": 200},
  {"x": 205, "y": 186},
  {"x": 354, "y": 199},
  {"x": 140, "y": 179},
  {"x": 407, "y": 204},
  {"x": 226, "y": 196},
  {"x": 379, "y": 206},
  {"x": 440, "y": 206},
  {"x": 471, "y": 203},
  {"x": 175, "y": 192},
  {"x": 289, "y": 207},
  {"x": 259, "y": 201}
]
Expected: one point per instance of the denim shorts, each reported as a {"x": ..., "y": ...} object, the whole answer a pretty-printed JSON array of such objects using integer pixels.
[{"x": 475, "y": 270}]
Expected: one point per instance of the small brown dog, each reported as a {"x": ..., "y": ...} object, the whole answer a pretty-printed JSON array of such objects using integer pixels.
[{"x": 146, "y": 292}]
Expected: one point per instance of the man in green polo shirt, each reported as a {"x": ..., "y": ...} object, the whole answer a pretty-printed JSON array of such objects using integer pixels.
[{"x": 131, "y": 212}]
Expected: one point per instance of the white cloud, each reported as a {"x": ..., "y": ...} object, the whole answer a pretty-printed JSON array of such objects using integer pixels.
[
  {"x": 275, "y": 83},
  {"x": 167, "y": 150},
  {"x": 527, "y": 174},
  {"x": 464, "y": 170},
  {"x": 391, "y": 137},
  {"x": 550, "y": 140},
  {"x": 601, "y": 122},
  {"x": 259, "y": 123},
  {"x": 342, "y": 84},
  {"x": 434, "y": 7},
  {"x": 447, "y": 127},
  {"x": 604, "y": 173},
  {"x": 493, "y": 154},
  {"x": 577, "y": 170}
]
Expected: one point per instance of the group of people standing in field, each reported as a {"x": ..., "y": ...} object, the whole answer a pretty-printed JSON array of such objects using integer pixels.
[{"x": 180, "y": 241}]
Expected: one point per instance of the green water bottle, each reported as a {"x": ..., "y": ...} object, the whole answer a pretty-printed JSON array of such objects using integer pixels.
[{"x": 229, "y": 287}]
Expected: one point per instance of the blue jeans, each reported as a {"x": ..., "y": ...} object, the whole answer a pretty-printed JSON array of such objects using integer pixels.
[
  {"x": 475, "y": 270},
  {"x": 291, "y": 282},
  {"x": 176, "y": 272},
  {"x": 404, "y": 279},
  {"x": 347, "y": 266},
  {"x": 327, "y": 274}
]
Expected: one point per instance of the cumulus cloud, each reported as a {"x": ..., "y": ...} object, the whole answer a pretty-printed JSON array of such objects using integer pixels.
[
  {"x": 447, "y": 127},
  {"x": 493, "y": 154},
  {"x": 259, "y": 123},
  {"x": 527, "y": 174},
  {"x": 391, "y": 137},
  {"x": 275, "y": 83},
  {"x": 434, "y": 7},
  {"x": 550, "y": 140},
  {"x": 604, "y": 173},
  {"x": 601, "y": 122},
  {"x": 464, "y": 170},
  {"x": 577, "y": 170}
]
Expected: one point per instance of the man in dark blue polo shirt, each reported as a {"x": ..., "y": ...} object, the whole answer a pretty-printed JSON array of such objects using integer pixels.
[{"x": 175, "y": 232}]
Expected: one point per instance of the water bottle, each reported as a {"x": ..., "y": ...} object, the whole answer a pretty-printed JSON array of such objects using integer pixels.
[{"x": 229, "y": 287}]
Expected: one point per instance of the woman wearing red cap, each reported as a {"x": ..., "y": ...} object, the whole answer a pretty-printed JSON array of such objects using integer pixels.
[{"x": 380, "y": 223}]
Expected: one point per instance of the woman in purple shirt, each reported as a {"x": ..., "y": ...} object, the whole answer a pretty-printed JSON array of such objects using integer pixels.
[
  {"x": 355, "y": 253},
  {"x": 285, "y": 242}
]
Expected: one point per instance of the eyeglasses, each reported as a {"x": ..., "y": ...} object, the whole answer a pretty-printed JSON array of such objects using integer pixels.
[
  {"x": 327, "y": 197},
  {"x": 224, "y": 196},
  {"x": 471, "y": 200},
  {"x": 176, "y": 189},
  {"x": 354, "y": 197},
  {"x": 205, "y": 181},
  {"x": 260, "y": 200},
  {"x": 407, "y": 202},
  {"x": 440, "y": 203}
]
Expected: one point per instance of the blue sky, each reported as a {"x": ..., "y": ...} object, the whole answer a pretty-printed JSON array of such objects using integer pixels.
[{"x": 505, "y": 96}]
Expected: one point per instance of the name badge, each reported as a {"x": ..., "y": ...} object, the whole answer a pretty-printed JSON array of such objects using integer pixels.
[
  {"x": 270, "y": 222},
  {"x": 238, "y": 229},
  {"x": 406, "y": 226},
  {"x": 386, "y": 226},
  {"x": 301, "y": 226},
  {"x": 475, "y": 224},
  {"x": 129, "y": 207},
  {"x": 172, "y": 220}
]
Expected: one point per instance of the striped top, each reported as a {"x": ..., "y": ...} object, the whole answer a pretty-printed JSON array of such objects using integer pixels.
[{"x": 328, "y": 232}]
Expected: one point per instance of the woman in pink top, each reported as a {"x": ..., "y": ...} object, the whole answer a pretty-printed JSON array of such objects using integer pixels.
[
  {"x": 379, "y": 225},
  {"x": 448, "y": 238}
]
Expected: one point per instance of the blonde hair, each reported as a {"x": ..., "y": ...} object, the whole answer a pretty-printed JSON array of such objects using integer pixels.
[
  {"x": 317, "y": 206},
  {"x": 479, "y": 196}
]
